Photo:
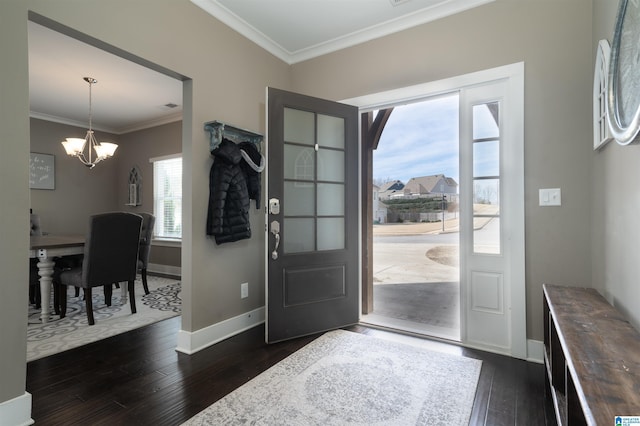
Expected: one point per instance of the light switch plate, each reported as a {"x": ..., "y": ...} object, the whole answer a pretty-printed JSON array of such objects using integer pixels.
[{"x": 550, "y": 197}]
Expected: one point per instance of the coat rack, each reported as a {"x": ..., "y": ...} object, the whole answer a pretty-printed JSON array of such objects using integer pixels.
[{"x": 219, "y": 130}]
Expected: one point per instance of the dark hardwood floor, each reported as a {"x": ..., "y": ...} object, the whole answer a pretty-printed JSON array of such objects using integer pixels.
[{"x": 138, "y": 378}]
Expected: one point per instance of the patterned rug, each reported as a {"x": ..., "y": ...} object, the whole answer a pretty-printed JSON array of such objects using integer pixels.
[
  {"x": 345, "y": 378},
  {"x": 162, "y": 302}
]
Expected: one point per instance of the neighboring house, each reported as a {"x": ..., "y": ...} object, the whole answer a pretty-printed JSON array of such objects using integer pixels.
[
  {"x": 390, "y": 189},
  {"x": 430, "y": 186},
  {"x": 379, "y": 208}
]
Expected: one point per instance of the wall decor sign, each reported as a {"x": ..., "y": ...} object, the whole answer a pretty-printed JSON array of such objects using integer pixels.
[
  {"x": 601, "y": 132},
  {"x": 623, "y": 99},
  {"x": 42, "y": 171}
]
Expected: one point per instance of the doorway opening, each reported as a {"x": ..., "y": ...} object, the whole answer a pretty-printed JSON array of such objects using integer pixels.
[{"x": 415, "y": 208}]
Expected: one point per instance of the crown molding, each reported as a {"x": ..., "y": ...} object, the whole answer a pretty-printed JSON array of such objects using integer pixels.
[
  {"x": 442, "y": 10},
  {"x": 172, "y": 118}
]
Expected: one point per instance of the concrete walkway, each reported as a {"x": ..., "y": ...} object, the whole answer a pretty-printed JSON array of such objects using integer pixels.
[{"x": 398, "y": 263}]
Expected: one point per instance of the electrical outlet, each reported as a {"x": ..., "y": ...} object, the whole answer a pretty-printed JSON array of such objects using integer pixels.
[{"x": 244, "y": 290}]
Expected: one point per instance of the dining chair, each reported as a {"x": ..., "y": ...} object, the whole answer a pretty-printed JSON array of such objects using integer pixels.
[
  {"x": 144, "y": 249},
  {"x": 110, "y": 256}
]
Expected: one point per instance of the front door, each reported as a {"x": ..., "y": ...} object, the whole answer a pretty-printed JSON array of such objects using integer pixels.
[{"x": 312, "y": 215}]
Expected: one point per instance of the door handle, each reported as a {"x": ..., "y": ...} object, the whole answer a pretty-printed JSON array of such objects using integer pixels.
[{"x": 275, "y": 230}]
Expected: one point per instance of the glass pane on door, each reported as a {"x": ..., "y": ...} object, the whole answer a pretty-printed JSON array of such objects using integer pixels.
[
  {"x": 298, "y": 235},
  {"x": 330, "y": 199},
  {"x": 301, "y": 199},
  {"x": 486, "y": 119},
  {"x": 314, "y": 182},
  {"x": 330, "y": 131},
  {"x": 486, "y": 158},
  {"x": 486, "y": 178},
  {"x": 299, "y": 162},
  {"x": 331, "y": 165},
  {"x": 299, "y": 126},
  {"x": 331, "y": 234}
]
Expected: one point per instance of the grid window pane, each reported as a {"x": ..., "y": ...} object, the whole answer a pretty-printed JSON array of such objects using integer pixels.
[{"x": 167, "y": 198}]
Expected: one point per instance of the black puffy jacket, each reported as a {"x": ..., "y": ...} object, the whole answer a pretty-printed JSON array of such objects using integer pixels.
[{"x": 228, "y": 215}]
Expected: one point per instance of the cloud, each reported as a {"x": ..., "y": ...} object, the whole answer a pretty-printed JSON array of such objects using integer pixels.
[{"x": 420, "y": 139}]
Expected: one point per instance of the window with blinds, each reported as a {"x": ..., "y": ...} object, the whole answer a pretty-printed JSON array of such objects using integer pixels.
[{"x": 167, "y": 197}]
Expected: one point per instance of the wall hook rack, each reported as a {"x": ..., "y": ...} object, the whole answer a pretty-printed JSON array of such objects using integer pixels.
[{"x": 219, "y": 130}]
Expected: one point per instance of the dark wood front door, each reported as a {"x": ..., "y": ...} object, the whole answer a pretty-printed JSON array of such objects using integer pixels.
[{"x": 312, "y": 215}]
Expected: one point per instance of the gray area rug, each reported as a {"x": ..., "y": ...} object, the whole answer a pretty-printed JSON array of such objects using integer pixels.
[
  {"x": 345, "y": 378},
  {"x": 59, "y": 335}
]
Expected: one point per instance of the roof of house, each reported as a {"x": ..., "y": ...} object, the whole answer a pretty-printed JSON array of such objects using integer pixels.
[
  {"x": 427, "y": 184},
  {"x": 392, "y": 185}
]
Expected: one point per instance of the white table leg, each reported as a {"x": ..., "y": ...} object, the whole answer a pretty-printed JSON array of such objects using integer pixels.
[
  {"x": 45, "y": 270},
  {"x": 125, "y": 292}
]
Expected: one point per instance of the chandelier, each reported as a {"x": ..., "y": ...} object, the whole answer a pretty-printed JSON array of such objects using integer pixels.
[{"x": 75, "y": 146}]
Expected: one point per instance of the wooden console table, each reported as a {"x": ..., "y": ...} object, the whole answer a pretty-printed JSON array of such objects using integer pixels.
[{"x": 592, "y": 358}]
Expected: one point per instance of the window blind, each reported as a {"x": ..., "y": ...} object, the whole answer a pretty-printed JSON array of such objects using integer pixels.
[{"x": 167, "y": 197}]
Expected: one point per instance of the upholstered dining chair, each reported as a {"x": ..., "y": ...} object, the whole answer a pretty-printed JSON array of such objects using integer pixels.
[
  {"x": 144, "y": 249},
  {"x": 110, "y": 256}
]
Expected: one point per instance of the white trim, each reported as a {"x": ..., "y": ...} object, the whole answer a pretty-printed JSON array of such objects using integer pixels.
[
  {"x": 175, "y": 271},
  {"x": 16, "y": 411},
  {"x": 442, "y": 10},
  {"x": 172, "y": 118},
  {"x": 267, "y": 250},
  {"x": 159, "y": 121},
  {"x": 166, "y": 242},
  {"x": 535, "y": 351},
  {"x": 517, "y": 241},
  {"x": 409, "y": 94},
  {"x": 165, "y": 157},
  {"x": 438, "y": 11},
  {"x": 192, "y": 342}
]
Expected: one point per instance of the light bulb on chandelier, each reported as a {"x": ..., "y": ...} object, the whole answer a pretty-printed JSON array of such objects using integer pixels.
[{"x": 75, "y": 146}]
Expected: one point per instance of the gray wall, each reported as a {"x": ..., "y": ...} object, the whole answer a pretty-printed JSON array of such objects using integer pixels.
[
  {"x": 14, "y": 190},
  {"x": 80, "y": 192},
  {"x": 136, "y": 148},
  {"x": 553, "y": 38},
  {"x": 615, "y": 204},
  {"x": 225, "y": 77}
]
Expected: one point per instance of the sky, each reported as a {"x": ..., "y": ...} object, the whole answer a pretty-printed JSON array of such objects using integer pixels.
[{"x": 420, "y": 139}]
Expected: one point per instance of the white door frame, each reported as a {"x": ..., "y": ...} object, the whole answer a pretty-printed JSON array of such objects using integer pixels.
[{"x": 513, "y": 74}]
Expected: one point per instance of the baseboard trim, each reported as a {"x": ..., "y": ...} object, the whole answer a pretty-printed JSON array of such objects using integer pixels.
[
  {"x": 164, "y": 269},
  {"x": 535, "y": 351},
  {"x": 16, "y": 411},
  {"x": 192, "y": 342}
]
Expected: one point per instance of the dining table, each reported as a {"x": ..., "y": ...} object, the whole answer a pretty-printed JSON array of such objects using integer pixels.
[{"x": 46, "y": 248}]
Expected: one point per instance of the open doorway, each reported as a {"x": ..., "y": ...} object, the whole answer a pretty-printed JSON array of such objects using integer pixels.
[
  {"x": 491, "y": 199},
  {"x": 415, "y": 175}
]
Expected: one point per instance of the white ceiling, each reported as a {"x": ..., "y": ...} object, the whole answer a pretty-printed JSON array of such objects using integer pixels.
[{"x": 129, "y": 96}]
